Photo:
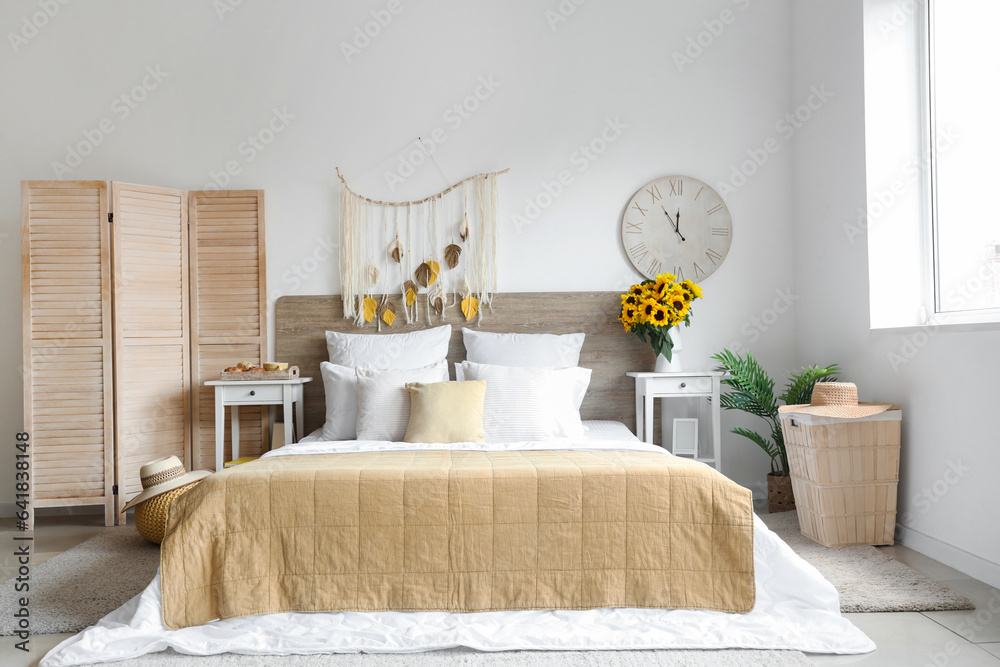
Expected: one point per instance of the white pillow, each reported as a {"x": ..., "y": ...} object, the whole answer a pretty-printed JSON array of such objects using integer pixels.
[
  {"x": 577, "y": 379},
  {"x": 530, "y": 403},
  {"x": 414, "y": 349},
  {"x": 520, "y": 349},
  {"x": 384, "y": 403},
  {"x": 340, "y": 384}
]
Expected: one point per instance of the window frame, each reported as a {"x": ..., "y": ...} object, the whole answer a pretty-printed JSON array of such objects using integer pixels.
[{"x": 932, "y": 223}]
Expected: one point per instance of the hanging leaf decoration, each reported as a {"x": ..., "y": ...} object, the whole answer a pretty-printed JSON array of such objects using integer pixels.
[
  {"x": 373, "y": 274},
  {"x": 387, "y": 312},
  {"x": 427, "y": 273},
  {"x": 451, "y": 255},
  {"x": 436, "y": 299},
  {"x": 470, "y": 306},
  {"x": 368, "y": 308},
  {"x": 396, "y": 251},
  {"x": 409, "y": 292},
  {"x": 463, "y": 228}
]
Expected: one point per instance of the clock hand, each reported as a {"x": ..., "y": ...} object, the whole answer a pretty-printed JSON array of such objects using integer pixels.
[{"x": 674, "y": 224}]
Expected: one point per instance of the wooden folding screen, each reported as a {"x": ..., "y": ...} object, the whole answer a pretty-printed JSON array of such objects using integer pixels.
[
  {"x": 123, "y": 307},
  {"x": 152, "y": 362},
  {"x": 228, "y": 309},
  {"x": 66, "y": 291}
]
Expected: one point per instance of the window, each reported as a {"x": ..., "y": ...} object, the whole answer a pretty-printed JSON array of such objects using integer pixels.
[{"x": 963, "y": 103}]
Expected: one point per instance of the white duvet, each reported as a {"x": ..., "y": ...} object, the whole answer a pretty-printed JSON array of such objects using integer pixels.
[{"x": 796, "y": 607}]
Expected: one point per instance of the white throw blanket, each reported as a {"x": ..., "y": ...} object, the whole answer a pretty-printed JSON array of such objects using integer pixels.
[{"x": 796, "y": 607}]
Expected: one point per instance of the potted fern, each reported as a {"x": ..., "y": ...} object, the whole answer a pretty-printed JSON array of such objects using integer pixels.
[{"x": 753, "y": 393}]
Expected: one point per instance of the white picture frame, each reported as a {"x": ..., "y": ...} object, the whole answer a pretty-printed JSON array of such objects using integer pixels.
[{"x": 684, "y": 441}]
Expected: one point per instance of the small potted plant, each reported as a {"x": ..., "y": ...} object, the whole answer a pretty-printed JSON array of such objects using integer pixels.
[
  {"x": 650, "y": 308},
  {"x": 753, "y": 393}
]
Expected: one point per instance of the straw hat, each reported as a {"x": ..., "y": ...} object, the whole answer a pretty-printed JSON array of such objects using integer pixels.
[
  {"x": 163, "y": 475},
  {"x": 838, "y": 399}
]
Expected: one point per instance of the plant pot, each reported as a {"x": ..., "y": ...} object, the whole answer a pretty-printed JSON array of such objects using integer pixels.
[{"x": 779, "y": 493}]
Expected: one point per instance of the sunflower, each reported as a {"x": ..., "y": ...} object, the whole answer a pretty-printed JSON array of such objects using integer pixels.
[
  {"x": 692, "y": 287},
  {"x": 629, "y": 299},
  {"x": 675, "y": 299},
  {"x": 637, "y": 290},
  {"x": 660, "y": 317},
  {"x": 628, "y": 316},
  {"x": 646, "y": 309},
  {"x": 662, "y": 283}
]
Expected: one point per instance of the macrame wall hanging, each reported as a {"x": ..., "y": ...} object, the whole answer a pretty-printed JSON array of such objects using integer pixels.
[{"x": 440, "y": 250}]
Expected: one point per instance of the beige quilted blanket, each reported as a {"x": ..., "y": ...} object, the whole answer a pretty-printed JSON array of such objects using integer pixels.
[{"x": 458, "y": 531}]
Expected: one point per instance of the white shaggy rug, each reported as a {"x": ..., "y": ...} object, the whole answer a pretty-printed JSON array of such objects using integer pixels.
[{"x": 867, "y": 579}]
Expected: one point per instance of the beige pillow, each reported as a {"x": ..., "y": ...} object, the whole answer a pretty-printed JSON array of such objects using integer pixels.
[{"x": 446, "y": 411}]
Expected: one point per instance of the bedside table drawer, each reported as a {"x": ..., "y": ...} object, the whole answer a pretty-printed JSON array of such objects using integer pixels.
[
  {"x": 252, "y": 394},
  {"x": 694, "y": 385}
]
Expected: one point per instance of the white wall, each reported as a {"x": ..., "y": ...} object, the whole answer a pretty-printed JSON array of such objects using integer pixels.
[
  {"x": 555, "y": 90},
  {"x": 947, "y": 382}
]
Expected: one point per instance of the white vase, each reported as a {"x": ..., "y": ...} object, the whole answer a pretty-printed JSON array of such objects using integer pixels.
[{"x": 674, "y": 365}]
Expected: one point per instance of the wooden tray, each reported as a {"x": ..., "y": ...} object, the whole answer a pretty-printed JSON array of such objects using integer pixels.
[{"x": 257, "y": 376}]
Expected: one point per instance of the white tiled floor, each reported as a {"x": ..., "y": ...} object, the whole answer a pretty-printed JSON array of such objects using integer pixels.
[{"x": 932, "y": 639}]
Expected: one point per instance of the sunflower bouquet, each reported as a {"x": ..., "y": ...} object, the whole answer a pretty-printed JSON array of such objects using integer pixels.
[{"x": 651, "y": 307}]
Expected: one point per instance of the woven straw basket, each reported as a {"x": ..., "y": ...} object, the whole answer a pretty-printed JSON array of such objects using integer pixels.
[
  {"x": 845, "y": 473},
  {"x": 151, "y": 515}
]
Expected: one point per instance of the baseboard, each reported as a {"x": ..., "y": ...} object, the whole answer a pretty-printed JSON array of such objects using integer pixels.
[{"x": 963, "y": 561}]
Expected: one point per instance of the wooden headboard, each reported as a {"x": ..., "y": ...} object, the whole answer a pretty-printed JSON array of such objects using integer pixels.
[{"x": 300, "y": 323}]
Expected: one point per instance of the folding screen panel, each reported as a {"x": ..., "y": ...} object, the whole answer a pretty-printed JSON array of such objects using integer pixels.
[
  {"x": 152, "y": 361},
  {"x": 67, "y": 328},
  {"x": 228, "y": 309}
]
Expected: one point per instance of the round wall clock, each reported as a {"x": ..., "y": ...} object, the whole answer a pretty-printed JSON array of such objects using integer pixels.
[{"x": 677, "y": 224}]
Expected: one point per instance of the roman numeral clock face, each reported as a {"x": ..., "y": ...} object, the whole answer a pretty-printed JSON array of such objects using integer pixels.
[{"x": 677, "y": 224}]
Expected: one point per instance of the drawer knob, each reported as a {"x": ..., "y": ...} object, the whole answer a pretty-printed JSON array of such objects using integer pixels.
[
  {"x": 683, "y": 384},
  {"x": 253, "y": 393}
]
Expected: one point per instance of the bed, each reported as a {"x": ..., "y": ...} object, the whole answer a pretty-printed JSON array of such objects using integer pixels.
[{"x": 787, "y": 604}]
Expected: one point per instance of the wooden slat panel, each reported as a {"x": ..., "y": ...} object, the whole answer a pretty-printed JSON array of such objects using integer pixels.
[
  {"x": 229, "y": 309},
  {"x": 66, "y": 289},
  {"x": 301, "y": 323},
  {"x": 152, "y": 363}
]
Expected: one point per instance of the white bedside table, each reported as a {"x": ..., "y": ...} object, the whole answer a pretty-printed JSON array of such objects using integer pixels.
[
  {"x": 649, "y": 386},
  {"x": 235, "y": 393}
]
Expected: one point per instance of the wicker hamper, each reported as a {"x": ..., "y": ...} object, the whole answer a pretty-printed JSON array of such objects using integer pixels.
[{"x": 844, "y": 476}]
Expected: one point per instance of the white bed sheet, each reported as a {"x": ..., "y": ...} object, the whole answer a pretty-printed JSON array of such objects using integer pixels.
[{"x": 796, "y": 607}]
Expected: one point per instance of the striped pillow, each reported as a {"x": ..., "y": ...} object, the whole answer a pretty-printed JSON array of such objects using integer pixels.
[
  {"x": 384, "y": 403},
  {"x": 530, "y": 403}
]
